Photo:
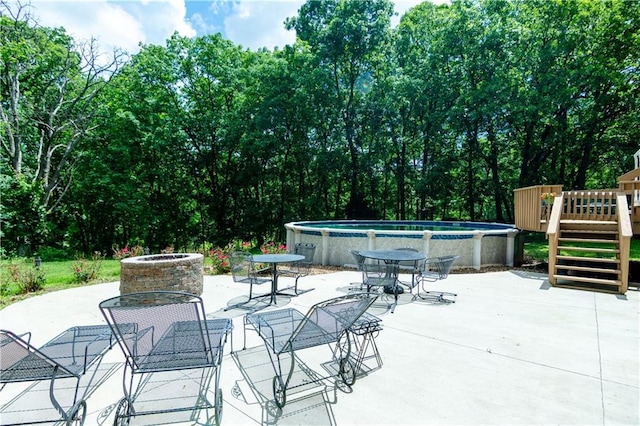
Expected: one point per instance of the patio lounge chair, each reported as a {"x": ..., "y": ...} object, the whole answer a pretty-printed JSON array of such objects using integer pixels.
[
  {"x": 72, "y": 354},
  {"x": 163, "y": 331},
  {"x": 434, "y": 269},
  {"x": 301, "y": 268},
  {"x": 287, "y": 331}
]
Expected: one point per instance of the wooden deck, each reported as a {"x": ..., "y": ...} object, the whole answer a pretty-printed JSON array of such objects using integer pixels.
[{"x": 589, "y": 231}]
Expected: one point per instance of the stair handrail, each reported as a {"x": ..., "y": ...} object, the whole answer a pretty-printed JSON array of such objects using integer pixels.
[
  {"x": 553, "y": 234},
  {"x": 631, "y": 175},
  {"x": 625, "y": 232}
]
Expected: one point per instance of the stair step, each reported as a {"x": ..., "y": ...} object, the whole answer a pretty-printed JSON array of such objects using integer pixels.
[
  {"x": 588, "y": 269},
  {"x": 589, "y": 249},
  {"x": 590, "y": 259},
  {"x": 611, "y": 232},
  {"x": 605, "y": 288},
  {"x": 594, "y": 222},
  {"x": 588, "y": 240},
  {"x": 599, "y": 281}
]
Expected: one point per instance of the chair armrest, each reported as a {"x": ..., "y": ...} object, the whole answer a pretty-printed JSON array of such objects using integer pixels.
[{"x": 275, "y": 327}]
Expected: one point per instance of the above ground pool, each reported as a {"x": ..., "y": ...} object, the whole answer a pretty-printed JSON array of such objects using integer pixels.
[{"x": 478, "y": 244}]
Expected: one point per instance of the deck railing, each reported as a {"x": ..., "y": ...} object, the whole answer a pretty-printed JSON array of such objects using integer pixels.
[
  {"x": 533, "y": 206},
  {"x": 625, "y": 232},
  {"x": 629, "y": 183},
  {"x": 599, "y": 205}
]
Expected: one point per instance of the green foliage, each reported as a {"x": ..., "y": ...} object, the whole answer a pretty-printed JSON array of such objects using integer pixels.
[
  {"x": 59, "y": 275},
  {"x": 272, "y": 247},
  {"x": 219, "y": 260},
  {"x": 51, "y": 254},
  {"x": 202, "y": 142},
  {"x": 122, "y": 253},
  {"x": 219, "y": 256},
  {"x": 85, "y": 270},
  {"x": 23, "y": 275},
  {"x": 22, "y": 214}
]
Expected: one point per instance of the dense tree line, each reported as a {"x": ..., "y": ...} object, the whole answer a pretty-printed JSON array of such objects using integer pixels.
[{"x": 201, "y": 141}]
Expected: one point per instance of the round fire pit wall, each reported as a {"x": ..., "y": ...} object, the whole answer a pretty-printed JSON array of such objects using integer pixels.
[{"x": 170, "y": 272}]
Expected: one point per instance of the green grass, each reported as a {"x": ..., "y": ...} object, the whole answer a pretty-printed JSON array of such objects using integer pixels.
[
  {"x": 59, "y": 275},
  {"x": 536, "y": 247}
]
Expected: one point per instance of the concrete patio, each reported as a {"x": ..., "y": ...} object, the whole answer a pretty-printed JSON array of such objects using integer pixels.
[{"x": 511, "y": 350}]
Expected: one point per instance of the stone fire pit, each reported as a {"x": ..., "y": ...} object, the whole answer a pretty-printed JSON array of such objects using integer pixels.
[{"x": 171, "y": 272}]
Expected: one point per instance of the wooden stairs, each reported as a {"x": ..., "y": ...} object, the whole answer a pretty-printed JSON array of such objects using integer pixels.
[
  {"x": 589, "y": 231},
  {"x": 589, "y": 239},
  {"x": 588, "y": 256}
]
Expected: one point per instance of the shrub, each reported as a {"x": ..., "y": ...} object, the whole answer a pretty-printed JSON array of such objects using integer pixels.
[
  {"x": 121, "y": 253},
  {"x": 273, "y": 247},
  {"x": 27, "y": 278},
  {"x": 220, "y": 260},
  {"x": 50, "y": 254},
  {"x": 84, "y": 270},
  {"x": 220, "y": 256}
]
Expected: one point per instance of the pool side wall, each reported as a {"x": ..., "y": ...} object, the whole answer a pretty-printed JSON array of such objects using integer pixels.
[{"x": 477, "y": 249}]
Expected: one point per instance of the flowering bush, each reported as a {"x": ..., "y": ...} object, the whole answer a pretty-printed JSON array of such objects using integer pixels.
[
  {"x": 134, "y": 251},
  {"x": 220, "y": 256},
  {"x": 272, "y": 247},
  {"x": 220, "y": 260},
  {"x": 548, "y": 197},
  {"x": 84, "y": 270},
  {"x": 27, "y": 278}
]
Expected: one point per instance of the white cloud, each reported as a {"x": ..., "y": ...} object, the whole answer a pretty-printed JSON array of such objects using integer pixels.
[
  {"x": 121, "y": 24},
  {"x": 257, "y": 24},
  {"x": 126, "y": 23},
  {"x": 260, "y": 23}
]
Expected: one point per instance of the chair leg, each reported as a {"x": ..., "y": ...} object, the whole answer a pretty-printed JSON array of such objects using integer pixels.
[{"x": 437, "y": 296}]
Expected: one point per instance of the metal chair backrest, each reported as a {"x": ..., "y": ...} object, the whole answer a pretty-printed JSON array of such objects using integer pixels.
[
  {"x": 444, "y": 265},
  {"x": 327, "y": 321},
  {"x": 378, "y": 272},
  {"x": 358, "y": 258},
  {"x": 411, "y": 263},
  {"x": 69, "y": 354},
  {"x": 307, "y": 250},
  {"x": 19, "y": 361},
  {"x": 160, "y": 330},
  {"x": 241, "y": 266}
]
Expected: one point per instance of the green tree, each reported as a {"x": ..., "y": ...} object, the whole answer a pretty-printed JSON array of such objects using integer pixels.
[
  {"x": 48, "y": 86},
  {"x": 345, "y": 37}
]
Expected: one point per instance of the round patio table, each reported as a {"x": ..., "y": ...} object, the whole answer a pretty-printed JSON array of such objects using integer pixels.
[
  {"x": 274, "y": 259},
  {"x": 394, "y": 257}
]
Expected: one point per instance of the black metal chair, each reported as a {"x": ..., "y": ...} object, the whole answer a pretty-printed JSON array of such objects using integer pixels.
[
  {"x": 383, "y": 277},
  {"x": 359, "y": 259},
  {"x": 301, "y": 268},
  {"x": 435, "y": 269},
  {"x": 163, "y": 331},
  {"x": 245, "y": 271},
  {"x": 72, "y": 354},
  {"x": 287, "y": 331},
  {"x": 410, "y": 267}
]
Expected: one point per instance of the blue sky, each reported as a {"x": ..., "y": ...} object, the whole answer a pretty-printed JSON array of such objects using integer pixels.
[{"x": 126, "y": 23}]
